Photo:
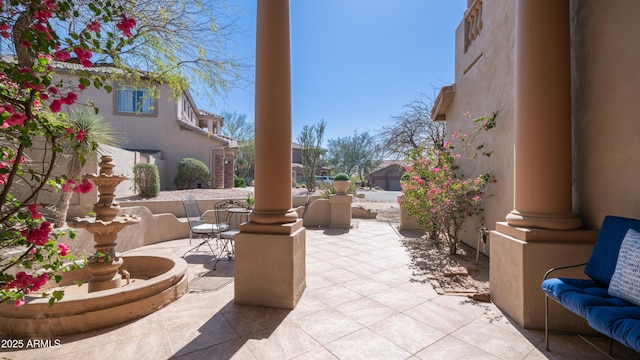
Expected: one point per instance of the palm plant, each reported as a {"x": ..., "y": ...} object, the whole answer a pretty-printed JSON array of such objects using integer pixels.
[{"x": 97, "y": 131}]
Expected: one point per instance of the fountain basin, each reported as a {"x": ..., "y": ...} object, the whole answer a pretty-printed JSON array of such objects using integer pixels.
[{"x": 155, "y": 281}]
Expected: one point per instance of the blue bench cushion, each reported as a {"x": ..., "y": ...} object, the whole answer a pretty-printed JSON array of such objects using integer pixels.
[
  {"x": 578, "y": 295},
  {"x": 625, "y": 282},
  {"x": 604, "y": 256},
  {"x": 622, "y": 324}
]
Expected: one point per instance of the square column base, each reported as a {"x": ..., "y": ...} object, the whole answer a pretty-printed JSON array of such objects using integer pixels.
[
  {"x": 269, "y": 269},
  {"x": 340, "y": 211},
  {"x": 517, "y": 268}
]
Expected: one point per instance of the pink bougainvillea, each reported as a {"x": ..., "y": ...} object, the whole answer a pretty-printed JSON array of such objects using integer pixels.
[
  {"x": 125, "y": 25},
  {"x": 436, "y": 191},
  {"x": 32, "y": 101}
]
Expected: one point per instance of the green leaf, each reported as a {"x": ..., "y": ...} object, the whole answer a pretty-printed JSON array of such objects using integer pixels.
[{"x": 85, "y": 82}]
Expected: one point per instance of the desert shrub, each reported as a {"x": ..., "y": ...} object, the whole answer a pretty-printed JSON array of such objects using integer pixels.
[
  {"x": 341, "y": 176},
  {"x": 146, "y": 179},
  {"x": 239, "y": 182},
  {"x": 191, "y": 170}
]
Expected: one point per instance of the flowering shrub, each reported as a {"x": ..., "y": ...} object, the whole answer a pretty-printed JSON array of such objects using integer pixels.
[
  {"x": 34, "y": 132},
  {"x": 438, "y": 194}
]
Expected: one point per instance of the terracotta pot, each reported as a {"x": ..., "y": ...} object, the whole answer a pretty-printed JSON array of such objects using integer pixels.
[{"x": 341, "y": 186}]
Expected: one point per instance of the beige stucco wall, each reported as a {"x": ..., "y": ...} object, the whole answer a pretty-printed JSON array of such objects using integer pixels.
[
  {"x": 606, "y": 84},
  {"x": 484, "y": 84}
]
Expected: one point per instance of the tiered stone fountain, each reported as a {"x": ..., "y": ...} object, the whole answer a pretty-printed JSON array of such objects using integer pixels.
[
  {"x": 104, "y": 298},
  {"x": 104, "y": 264}
]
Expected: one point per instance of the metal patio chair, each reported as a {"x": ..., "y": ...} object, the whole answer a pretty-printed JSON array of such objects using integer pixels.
[
  {"x": 205, "y": 231},
  {"x": 229, "y": 214}
]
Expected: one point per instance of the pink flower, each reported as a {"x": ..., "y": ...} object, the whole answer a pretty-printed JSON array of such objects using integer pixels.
[
  {"x": 52, "y": 89},
  {"x": 56, "y": 106},
  {"x": 20, "y": 302},
  {"x": 84, "y": 56},
  {"x": 64, "y": 249},
  {"x": 94, "y": 26},
  {"x": 69, "y": 131},
  {"x": 125, "y": 25},
  {"x": 80, "y": 135},
  {"x": 62, "y": 55},
  {"x": 35, "y": 214},
  {"x": 84, "y": 187},
  {"x": 70, "y": 98},
  {"x": 38, "y": 236},
  {"x": 14, "y": 119}
]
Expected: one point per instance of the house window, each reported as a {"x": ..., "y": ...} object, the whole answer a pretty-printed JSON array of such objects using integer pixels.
[{"x": 135, "y": 100}]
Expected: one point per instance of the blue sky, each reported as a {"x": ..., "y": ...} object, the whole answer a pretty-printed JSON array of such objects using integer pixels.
[{"x": 356, "y": 62}]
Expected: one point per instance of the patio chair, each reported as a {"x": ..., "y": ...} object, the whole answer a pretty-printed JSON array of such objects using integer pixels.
[
  {"x": 229, "y": 214},
  {"x": 197, "y": 226}
]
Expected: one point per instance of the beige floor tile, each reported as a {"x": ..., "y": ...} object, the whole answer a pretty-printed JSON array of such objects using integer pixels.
[
  {"x": 285, "y": 341},
  {"x": 233, "y": 349},
  {"x": 450, "y": 348},
  {"x": 187, "y": 337},
  {"x": 417, "y": 288},
  {"x": 317, "y": 354},
  {"x": 495, "y": 340},
  {"x": 327, "y": 325},
  {"x": 365, "y": 286},
  {"x": 366, "y": 311},
  {"x": 439, "y": 317},
  {"x": 397, "y": 299},
  {"x": 340, "y": 275},
  {"x": 365, "y": 344},
  {"x": 307, "y": 305},
  {"x": 151, "y": 346},
  {"x": 334, "y": 295},
  {"x": 249, "y": 319},
  {"x": 410, "y": 334},
  {"x": 315, "y": 281}
]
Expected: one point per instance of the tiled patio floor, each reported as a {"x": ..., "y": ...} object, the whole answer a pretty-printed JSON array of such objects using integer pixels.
[{"x": 362, "y": 301}]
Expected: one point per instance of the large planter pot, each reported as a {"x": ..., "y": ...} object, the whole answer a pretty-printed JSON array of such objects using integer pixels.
[{"x": 341, "y": 186}]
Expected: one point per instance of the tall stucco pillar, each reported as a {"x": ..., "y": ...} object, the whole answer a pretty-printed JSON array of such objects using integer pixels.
[
  {"x": 542, "y": 111},
  {"x": 270, "y": 249},
  {"x": 541, "y": 232}
]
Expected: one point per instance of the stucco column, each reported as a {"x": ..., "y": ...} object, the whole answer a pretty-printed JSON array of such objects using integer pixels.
[
  {"x": 273, "y": 116},
  {"x": 269, "y": 267},
  {"x": 541, "y": 232},
  {"x": 542, "y": 163}
]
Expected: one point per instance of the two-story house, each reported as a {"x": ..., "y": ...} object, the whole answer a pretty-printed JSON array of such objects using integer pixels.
[{"x": 157, "y": 125}]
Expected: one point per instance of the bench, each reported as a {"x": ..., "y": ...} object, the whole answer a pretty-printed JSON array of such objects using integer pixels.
[{"x": 610, "y": 298}]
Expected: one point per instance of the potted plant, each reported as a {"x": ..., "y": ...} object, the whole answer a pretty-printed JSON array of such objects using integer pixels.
[{"x": 341, "y": 182}]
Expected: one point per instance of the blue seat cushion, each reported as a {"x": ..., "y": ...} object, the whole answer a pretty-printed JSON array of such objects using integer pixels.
[
  {"x": 621, "y": 324},
  {"x": 578, "y": 295}
]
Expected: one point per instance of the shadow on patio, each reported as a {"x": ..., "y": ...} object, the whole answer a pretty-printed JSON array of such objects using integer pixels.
[{"x": 363, "y": 301}]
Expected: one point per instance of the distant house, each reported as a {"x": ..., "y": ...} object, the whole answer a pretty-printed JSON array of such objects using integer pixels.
[
  {"x": 297, "y": 169},
  {"x": 163, "y": 128},
  {"x": 388, "y": 175}
]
